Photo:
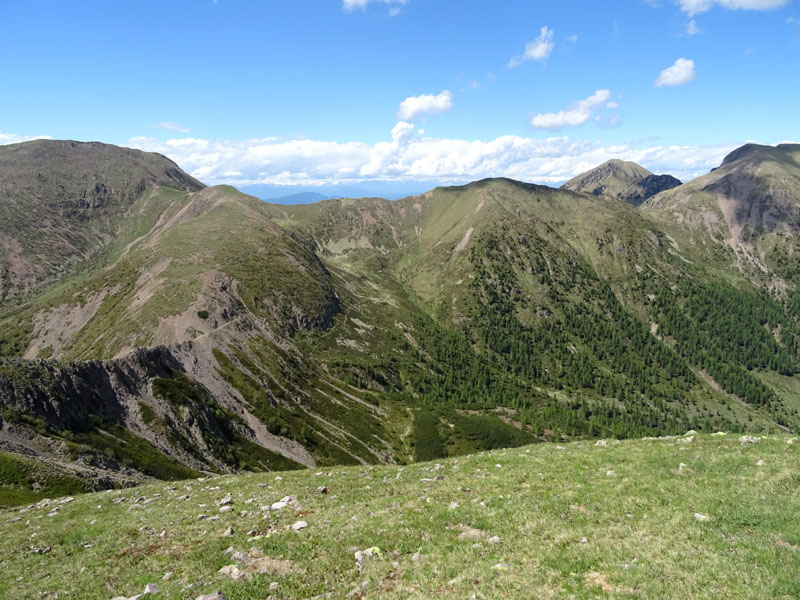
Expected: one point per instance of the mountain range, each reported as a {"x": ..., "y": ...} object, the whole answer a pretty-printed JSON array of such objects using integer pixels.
[{"x": 153, "y": 327}]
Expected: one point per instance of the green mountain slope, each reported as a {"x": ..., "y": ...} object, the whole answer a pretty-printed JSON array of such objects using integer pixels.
[
  {"x": 516, "y": 271},
  {"x": 223, "y": 333}
]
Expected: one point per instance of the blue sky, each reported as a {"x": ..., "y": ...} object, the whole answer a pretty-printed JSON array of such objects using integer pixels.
[{"x": 319, "y": 92}]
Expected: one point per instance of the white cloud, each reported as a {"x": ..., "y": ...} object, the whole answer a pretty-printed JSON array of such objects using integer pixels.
[
  {"x": 692, "y": 28},
  {"x": 577, "y": 114},
  {"x": 693, "y": 7},
  {"x": 572, "y": 39},
  {"x": 172, "y": 126},
  {"x": 678, "y": 74},
  {"x": 537, "y": 49},
  {"x": 15, "y": 138},
  {"x": 408, "y": 156},
  {"x": 394, "y": 9},
  {"x": 414, "y": 106}
]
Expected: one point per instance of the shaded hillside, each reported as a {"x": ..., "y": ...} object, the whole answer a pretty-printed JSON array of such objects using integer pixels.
[
  {"x": 645, "y": 188},
  {"x": 623, "y": 180}
]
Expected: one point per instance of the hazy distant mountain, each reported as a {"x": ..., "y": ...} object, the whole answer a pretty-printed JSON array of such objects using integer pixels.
[
  {"x": 621, "y": 179},
  {"x": 374, "y": 189},
  {"x": 171, "y": 328},
  {"x": 300, "y": 198}
]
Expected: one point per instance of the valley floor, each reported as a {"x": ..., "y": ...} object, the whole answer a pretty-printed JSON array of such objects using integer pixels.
[{"x": 689, "y": 517}]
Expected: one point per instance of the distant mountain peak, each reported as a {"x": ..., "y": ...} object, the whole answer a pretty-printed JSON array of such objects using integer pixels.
[{"x": 621, "y": 179}]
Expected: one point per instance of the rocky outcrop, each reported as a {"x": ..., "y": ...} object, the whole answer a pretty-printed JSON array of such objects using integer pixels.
[{"x": 66, "y": 394}]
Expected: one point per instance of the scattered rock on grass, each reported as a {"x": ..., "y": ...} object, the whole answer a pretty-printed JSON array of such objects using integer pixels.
[
  {"x": 212, "y": 596},
  {"x": 258, "y": 565},
  {"x": 470, "y": 533},
  {"x": 299, "y": 525},
  {"x": 748, "y": 439}
]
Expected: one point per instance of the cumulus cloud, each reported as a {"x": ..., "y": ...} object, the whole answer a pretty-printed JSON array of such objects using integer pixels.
[
  {"x": 172, "y": 126},
  {"x": 394, "y": 5},
  {"x": 678, "y": 74},
  {"x": 409, "y": 156},
  {"x": 693, "y": 7},
  {"x": 577, "y": 114},
  {"x": 15, "y": 138},
  {"x": 426, "y": 104},
  {"x": 537, "y": 49}
]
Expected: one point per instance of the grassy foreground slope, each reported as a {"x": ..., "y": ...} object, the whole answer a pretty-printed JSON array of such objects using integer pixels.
[{"x": 682, "y": 517}]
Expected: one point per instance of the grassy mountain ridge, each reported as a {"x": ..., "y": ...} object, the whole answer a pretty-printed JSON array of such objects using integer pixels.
[
  {"x": 362, "y": 331},
  {"x": 698, "y": 516}
]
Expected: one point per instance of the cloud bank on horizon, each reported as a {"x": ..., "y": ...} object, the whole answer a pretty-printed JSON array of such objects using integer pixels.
[{"x": 410, "y": 157}]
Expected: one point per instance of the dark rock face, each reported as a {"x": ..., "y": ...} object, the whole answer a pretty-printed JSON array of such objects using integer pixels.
[
  {"x": 64, "y": 395},
  {"x": 650, "y": 186}
]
